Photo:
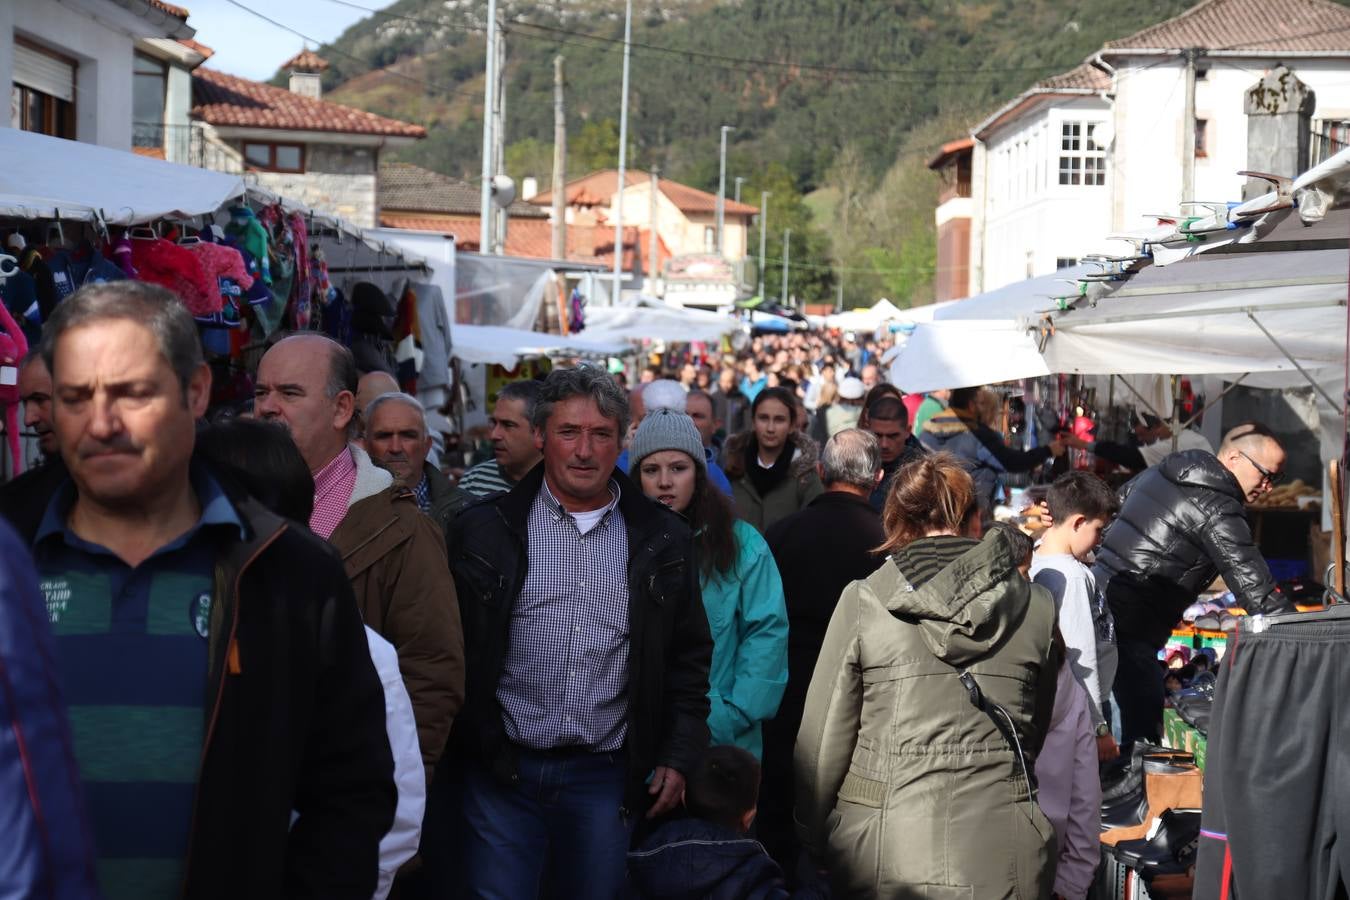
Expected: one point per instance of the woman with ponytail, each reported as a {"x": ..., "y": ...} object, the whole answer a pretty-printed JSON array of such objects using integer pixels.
[{"x": 931, "y": 696}]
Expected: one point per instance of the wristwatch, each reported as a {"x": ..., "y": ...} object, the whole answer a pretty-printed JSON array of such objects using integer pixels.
[{"x": 1103, "y": 730}]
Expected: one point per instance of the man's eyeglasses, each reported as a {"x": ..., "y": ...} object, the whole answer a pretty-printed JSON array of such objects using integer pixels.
[{"x": 1268, "y": 478}]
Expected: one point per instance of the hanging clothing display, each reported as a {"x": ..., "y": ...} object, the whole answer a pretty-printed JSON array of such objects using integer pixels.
[
  {"x": 162, "y": 262},
  {"x": 434, "y": 328},
  {"x": 1276, "y": 819},
  {"x": 13, "y": 347}
]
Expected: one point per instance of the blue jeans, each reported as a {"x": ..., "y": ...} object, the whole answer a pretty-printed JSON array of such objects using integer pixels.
[{"x": 557, "y": 832}]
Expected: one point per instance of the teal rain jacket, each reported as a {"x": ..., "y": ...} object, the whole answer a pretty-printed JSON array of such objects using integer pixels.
[{"x": 748, "y": 620}]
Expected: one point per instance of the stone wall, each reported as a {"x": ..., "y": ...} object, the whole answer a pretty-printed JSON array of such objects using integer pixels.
[{"x": 338, "y": 180}]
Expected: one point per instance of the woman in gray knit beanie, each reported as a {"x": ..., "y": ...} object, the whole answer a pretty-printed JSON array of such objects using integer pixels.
[{"x": 742, "y": 592}]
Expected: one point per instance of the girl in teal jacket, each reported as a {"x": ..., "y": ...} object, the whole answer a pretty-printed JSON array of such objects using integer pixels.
[{"x": 742, "y": 593}]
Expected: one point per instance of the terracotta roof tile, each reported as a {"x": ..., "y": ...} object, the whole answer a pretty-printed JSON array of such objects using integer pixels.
[
  {"x": 306, "y": 60},
  {"x": 410, "y": 188},
  {"x": 532, "y": 238},
  {"x": 176, "y": 11},
  {"x": 201, "y": 48},
  {"x": 1257, "y": 25},
  {"x": 222, "y": 99},
  {"x": 1083, "y": 77},
  {"x": 596, "y": 188}
]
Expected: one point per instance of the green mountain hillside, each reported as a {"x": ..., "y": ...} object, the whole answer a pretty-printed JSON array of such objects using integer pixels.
[{"x": 850, "y": 96}]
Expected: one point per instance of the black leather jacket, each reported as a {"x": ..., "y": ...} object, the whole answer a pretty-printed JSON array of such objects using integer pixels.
[
  {"x": 1181, "y": 523},
  {"x": 670, "y": 647}
]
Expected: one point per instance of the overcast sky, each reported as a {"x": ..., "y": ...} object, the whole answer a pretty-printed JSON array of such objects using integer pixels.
[{"x": 248, "y": 46}]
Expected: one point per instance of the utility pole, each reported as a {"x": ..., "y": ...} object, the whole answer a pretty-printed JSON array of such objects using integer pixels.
[
  {"x": 499, "y": 138},
  {"x": 651, "y": 226},
  {"x": 740, "y": 180},
  {"x": 489, "y": 105},
  {"x": 559, "y": 247},
  {"x": 722, "y": 188},
  {"x": 787, "y": 254},
  {"x": 763, "y": 225},
  {"x": 1188, "y": 130},
  {"x": 623, "y": 152}
]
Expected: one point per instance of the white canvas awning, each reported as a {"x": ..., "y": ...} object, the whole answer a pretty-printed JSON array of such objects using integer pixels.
[
  {"x": 495, "y": 345},
  {"x": 653, "y": 320},
  {"x": 46, "y": 177}
]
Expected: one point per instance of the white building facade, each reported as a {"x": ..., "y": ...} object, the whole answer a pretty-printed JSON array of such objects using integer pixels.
[
  {"x": 69, "y": 63},
  {"x": 1102, "y": 149}
]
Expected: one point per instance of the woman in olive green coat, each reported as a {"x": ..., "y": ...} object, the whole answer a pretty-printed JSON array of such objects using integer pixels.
[
  {"x": 907, "y": 789},
  {"x": 772, "y": 467}
]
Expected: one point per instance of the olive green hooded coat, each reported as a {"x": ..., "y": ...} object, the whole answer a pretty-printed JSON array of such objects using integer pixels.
[{"x": 905, "y": 788}]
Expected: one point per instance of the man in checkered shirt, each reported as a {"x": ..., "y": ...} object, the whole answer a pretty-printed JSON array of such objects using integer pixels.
[{"x": 588, "y": 655}]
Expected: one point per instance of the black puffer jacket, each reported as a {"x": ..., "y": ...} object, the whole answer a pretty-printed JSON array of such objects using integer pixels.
[{"x": 1181, "y": 523}]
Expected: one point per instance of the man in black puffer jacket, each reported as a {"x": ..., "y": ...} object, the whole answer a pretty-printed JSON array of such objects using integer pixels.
[{"x": 1182, "y": 523}]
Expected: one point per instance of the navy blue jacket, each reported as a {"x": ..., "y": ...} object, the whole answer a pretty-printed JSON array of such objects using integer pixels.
[
  {"x": 690, "y": 858},
  {"x": 47, "y": 849}
]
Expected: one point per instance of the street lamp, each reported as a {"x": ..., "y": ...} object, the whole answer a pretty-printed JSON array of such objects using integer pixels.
[
  {"x": 763, "y": 224},
  {"x": 623, "y": 154},
  {"x": 722, "y": 187},
  {"x": 787, "y": 254}
]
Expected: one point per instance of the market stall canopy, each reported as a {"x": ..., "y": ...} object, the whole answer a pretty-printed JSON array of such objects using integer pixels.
[
  {"x": 495, "y": 345},
  {"x": 653, "y": 320},
  {"x": 866, "y": 319},
  {"x": 46, "y": 177},
  {"x": 1211, "y": 314},
  {"x": 1019, "y": 298}
]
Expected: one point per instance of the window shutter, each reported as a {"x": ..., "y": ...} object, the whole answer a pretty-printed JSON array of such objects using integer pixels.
[{"x": 44, "y": 73}]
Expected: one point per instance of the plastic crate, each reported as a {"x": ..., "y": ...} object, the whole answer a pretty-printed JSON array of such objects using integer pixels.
[{"x": 1284, "y": 569}]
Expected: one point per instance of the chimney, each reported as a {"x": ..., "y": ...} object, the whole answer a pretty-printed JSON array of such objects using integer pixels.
[
  {"x": 306, "y": 69},
  {"x": 529, "y": 186},
  {"x": 1279, "y": 115}
]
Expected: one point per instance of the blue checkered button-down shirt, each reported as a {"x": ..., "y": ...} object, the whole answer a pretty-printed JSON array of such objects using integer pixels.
[{"x": 565, "y": 678}]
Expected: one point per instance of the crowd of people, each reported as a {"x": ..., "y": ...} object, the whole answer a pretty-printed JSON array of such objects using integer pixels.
[{"x": 744, "y": 630}]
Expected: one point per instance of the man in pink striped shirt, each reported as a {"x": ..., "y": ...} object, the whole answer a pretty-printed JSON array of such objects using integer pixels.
[{"x": 394, "y": 555}]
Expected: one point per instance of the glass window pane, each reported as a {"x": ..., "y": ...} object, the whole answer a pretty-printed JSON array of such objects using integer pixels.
[
  {"x": 147, "y": 99},
  {"x": 258, "y": 154},
  {"x": 144, "y": 65},
  {"x": 33, "y": 113},
  {"x": 16, "y": 106},
  {"x": 288, "y": 157}
]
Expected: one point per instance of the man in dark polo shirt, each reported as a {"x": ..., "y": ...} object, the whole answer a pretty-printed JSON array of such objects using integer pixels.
[{"x": 228, "y": 723}]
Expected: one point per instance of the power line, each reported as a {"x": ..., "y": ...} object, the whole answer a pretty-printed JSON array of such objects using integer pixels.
[
  {"x": 736, "y": 63},
  {"x": 453, "y": 91}
]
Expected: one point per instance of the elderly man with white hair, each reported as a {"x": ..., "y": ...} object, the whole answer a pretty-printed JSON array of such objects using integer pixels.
[
  {"x": 667, "y": 394},
  {"x": 398, "y": 441}
]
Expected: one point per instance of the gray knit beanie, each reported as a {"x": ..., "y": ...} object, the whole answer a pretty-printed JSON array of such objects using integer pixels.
[{"x": 665, "y": 429}]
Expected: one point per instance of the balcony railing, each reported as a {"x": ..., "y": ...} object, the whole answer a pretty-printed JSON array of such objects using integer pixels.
[
  {"x": 186, "y": 144},
  {"x": 1332, "y": 139}
]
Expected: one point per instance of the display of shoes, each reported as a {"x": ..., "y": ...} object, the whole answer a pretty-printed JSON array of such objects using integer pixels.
[
  {"x": 1172, "y": 847},
  {"x": 1207, "y": 622}
]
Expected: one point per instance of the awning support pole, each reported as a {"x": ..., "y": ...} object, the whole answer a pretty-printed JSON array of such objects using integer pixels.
[
  {"x": 1223, "y": 393},
  {"x": 1148, "y": 406},
  {"x": 1302, "y": 371}
]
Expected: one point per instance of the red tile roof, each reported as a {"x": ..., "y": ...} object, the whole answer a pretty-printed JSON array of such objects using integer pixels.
[
  {"x": 222, "y": 99},
  {"x": 597, "y": 188},
  {"x": 949, "y": 149},
  {"x": 1084, "y": 77},
  {"x": 201, "y": 48},
  {"x": 306, "y": 60},
  {"x": 412, "y": 189},
  {"x": 533, "y": 238},
  {"x": 1257, "y": 25},
  {"x": 175, "y": 11}
]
